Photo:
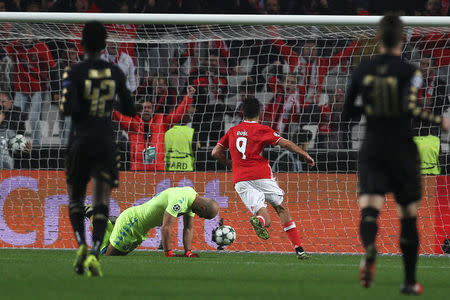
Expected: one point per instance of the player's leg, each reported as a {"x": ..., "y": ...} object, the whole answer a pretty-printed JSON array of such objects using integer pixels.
[
  {"x": 374, "y": 183},
  {"x": 101, "y": 191},
  {"x": 111, "y": 251},
  {"x": 370, "y": 205},
  {"x": 408, "y": 192},
  {"x": 409, "y": 244},
  {"x": 407, "y": 183},
  {"x": 77, "y": 180},
  {"x": 260, "y": 221},
  {"x": 126, "y": 235},
  {"x": 89, "y": 211},
  {"x": 288, "y": 226},
  {"x": 77, "y": 194},
  {"x": 254, "y": 201}
]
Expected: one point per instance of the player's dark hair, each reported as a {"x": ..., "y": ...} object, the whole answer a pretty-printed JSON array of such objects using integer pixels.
[
  {"x": 390, "y": 30},
  {"x": 251, "y": 108},
  {"x": 94, "y": 36}
]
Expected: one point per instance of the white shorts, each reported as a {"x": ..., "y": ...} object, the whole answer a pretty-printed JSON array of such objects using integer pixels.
[{"x": 254, "y": 193}]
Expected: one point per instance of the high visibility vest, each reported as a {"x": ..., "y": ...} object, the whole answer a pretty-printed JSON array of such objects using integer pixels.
[
  {"x": 178, "y": 147},
  {"x": 429, "y": 147}
]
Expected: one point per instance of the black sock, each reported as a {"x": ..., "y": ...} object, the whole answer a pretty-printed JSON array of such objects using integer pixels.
[
  {"x": 99, "y": 222},
  {"x": 409, "y": 243},
  {"x": 76, "y": 214},
  {"x": 368, "y": 228}
]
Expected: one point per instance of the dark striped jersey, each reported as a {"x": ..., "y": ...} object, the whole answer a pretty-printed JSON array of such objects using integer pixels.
[
  {"x": 89, "y": 92},
  {"x": 388, "y": 86}
]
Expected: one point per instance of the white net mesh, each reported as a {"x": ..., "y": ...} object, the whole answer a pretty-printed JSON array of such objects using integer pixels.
[{"x": 298, "y": 73}]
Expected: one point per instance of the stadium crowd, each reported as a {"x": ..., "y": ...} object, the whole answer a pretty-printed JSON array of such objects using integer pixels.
[
  {"x": 300, "y": 83},
  {"x": 306, "y": 7}
]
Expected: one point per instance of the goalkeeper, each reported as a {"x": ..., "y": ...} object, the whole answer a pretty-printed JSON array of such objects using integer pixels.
[{"x": 133, "y": 224}]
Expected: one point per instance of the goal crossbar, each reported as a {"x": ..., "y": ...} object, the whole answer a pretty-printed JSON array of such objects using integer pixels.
[{"x": 27, "y": 17}]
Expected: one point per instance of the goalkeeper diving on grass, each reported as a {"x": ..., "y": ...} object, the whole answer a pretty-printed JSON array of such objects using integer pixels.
[{"x": 131, "y": 227}]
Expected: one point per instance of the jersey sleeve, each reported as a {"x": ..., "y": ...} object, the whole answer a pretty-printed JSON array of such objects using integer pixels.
[
  {"x": 126, "y": 105},
  {"x": 350, "y": 111},
  {"x": 414, "y": 110},
  {"x": 270, "y": 136},
  {"x": 69, "y": 105},
  {"x": 224, "y": 140},
  {"x": 179, "y": 202}
]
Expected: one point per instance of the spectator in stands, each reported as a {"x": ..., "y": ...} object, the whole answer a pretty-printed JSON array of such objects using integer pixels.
[
  {"x": 433, "y": 8},
  {"x": 331, "y": 132},
  {"x": 68, "y": 56},
  {"x": 123, "y": 60},
  {"x": 33, "y": 62},
  {"x": 246, "y": 90},
  {"x": 272, "y": 7},
  {"x": 12, "y": 122},
  {"x": 179, "y": 142},
  {"x": 31, "y": 6},
  {"x": 164, "y": 98},
  {"x": 47, "y": 5},
  {"x": 148, "y": 129},
  {"x": 3, "y": 5},
  {"x": 211, "y": 82},
  {"x": 311, "y": 68},
  {"x": 284, "y": 108},
  {"x": 432, "y": 97}
]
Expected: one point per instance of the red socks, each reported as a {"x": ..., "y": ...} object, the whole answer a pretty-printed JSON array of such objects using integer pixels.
[
  {"x": 262, "y": 220},
  {"x": 292, "y": 233}
]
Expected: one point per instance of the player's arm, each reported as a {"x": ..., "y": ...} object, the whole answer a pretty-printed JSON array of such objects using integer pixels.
[
  {"x": 188, "y": 232},
  {"x": 416, "y": 111},
  {"x": 68, "y": 105},
  {"x": 350, "y": 111},
  {"x": 176, "y": 116},
  {"x": 166, "y": 229},
  {"x": 219, "y": 154},
  {"x": 289, "y": 145},
  {"x": 126, "y": 105}
]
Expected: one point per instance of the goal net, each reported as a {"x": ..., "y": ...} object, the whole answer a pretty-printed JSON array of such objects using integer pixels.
[{"x": 297, "y": 72}]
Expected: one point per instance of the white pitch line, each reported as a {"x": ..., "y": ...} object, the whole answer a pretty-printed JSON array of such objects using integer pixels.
[{"x": 203, "y": 262}]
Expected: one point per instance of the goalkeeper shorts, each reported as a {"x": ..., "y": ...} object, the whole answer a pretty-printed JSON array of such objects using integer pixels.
[{"x": 126, "y": 236}]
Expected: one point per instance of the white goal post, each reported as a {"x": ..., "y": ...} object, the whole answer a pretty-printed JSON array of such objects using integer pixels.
[{"x": 297, "y": 66}]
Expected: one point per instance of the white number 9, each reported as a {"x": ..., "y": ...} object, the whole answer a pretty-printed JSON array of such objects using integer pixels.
[{"x": 241, "y": 145}]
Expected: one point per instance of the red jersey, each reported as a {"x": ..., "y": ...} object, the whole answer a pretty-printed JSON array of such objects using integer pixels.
[
  {"x": 32, "y": 66},
  {"x": 246, "y": 142}
]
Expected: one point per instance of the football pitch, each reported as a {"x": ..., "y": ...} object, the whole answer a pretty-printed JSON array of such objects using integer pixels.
[{"x": 48, "y": 274}]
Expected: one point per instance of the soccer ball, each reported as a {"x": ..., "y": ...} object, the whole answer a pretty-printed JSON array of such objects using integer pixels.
[
  {"x": 17, "y": 143},
  {"x": 224, "y": 235}
]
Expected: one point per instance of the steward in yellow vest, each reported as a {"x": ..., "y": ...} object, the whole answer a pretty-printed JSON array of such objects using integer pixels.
[{"x": 178, "y": 145}]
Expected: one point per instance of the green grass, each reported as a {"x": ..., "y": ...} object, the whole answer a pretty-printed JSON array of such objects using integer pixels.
[{"x": 47, "y": 274}]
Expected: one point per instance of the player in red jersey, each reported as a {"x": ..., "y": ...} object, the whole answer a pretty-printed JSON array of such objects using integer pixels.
[{"x": 252, "y": 175}]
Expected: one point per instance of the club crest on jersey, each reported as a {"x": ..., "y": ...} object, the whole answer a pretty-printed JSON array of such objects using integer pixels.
[{"x": 176, "y": 208}]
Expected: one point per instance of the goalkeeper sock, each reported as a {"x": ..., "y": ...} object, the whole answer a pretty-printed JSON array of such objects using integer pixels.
[
  {"x": 292, "y": 233},
  {"x": 262, "y": 220},
  {"x": 409, "y": 243},
  {"x": 368, "y": 227},
  {"x": 99, "y": 222},
  {"x": 76, "y": 215}
]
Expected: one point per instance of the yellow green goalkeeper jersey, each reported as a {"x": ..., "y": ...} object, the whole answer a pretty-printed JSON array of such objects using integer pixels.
[{"x": 174, "y": 201}]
